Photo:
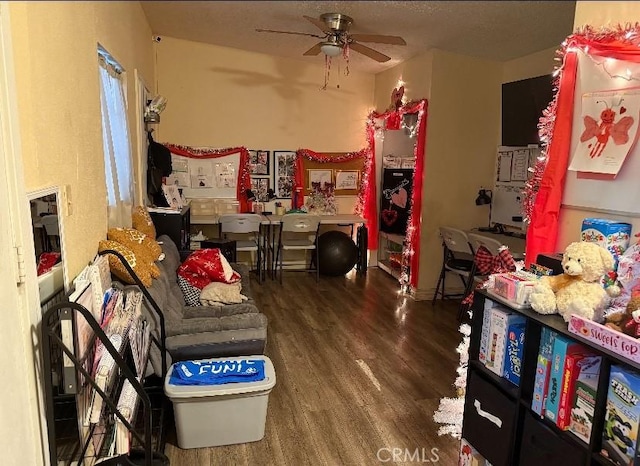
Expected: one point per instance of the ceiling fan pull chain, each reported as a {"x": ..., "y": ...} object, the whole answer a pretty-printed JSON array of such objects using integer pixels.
[
  {"x": 345, "y": 55},
  {"x": 327, "y": 70}
]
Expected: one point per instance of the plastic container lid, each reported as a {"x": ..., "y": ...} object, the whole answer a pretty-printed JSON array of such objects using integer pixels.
[{"x": 237, "y": 388}]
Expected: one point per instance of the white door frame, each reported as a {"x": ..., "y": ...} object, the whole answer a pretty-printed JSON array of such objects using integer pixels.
[{"x": 23, "y": 435}]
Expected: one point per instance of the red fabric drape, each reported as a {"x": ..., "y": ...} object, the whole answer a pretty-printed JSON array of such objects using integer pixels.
[
  {"x": 366, "y": 205},
  {"x": 542, "y": 234},
  {"x": 392, "y": 119},
  {"x": 244, "y": 177}
]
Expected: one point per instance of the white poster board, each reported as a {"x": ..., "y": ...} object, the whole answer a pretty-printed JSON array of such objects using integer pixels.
[
  {"x": 597, "y": 74},
  {"x": 207, "y": 178}
]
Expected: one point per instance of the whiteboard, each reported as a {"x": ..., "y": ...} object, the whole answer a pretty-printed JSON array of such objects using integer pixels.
[
  {"x": 622, "y": 193},
  {"x": 191, "y": 173}
]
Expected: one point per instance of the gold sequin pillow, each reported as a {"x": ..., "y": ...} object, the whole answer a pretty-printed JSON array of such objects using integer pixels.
[
  {"x": 145, "y": 248},
  {"x": 141, "y": 221},
  {"x": 140, "y": 267}
]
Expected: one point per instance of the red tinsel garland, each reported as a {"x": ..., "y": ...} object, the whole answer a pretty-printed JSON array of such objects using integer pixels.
[
  {"x": 620, "y": 42},
  {"x": 393, "y": 119},
  {"x": 366, "y": 202},
  {"x": 244, "y": 176}
]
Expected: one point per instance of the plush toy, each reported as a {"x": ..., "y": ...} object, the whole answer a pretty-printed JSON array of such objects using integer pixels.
[
  {"x": 579, "y": 289},
  {"x": 627, "y": 322}
]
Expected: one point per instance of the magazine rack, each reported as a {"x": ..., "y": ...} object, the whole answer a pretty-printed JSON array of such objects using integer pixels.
[{"x": 70, "y": 442}]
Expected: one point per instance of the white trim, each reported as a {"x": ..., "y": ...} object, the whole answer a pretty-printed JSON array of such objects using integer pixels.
[{"x": 26, "y": 381}]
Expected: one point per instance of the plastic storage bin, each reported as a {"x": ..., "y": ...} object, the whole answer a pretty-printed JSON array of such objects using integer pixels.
[{"x": 214, "y": 415}]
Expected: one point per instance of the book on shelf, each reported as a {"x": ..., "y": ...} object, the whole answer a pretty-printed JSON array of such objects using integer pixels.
[
  {"x": 572, "y": 366},
  {"x": 584, "y": 400},
  {"x": 562, "y": 347},
  {"x": 486, "y": 328},
  {"x": 622, "y": 416},
  {"x": 501, "y": 319},
  {"x": 514, "y": 352},
  {"x": 543, "y": 371}
]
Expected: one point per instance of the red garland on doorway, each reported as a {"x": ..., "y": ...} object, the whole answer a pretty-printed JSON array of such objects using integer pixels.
[
  {"x": 244, "y": 177},
  {"x": 544, "y": 191},
  {"x": 393, "y": 120},
  {"x": 366, "y": 203}
]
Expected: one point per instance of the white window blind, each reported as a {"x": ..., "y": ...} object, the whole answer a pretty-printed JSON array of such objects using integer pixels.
[{"x": 117, "y": 146}]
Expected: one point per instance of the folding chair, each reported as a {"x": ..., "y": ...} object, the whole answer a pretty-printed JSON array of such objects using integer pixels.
[
  {"x": 457, "y": 258},
  {"x": 299, "y": 232},
  {"x": 249, "y": 226}
]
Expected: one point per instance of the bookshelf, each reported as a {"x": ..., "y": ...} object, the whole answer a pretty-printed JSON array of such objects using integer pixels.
[{"x": 499, "y": 422}]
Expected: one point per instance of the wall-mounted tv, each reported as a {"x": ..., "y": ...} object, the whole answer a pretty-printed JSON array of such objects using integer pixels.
[{"x": 522, "y": 106}]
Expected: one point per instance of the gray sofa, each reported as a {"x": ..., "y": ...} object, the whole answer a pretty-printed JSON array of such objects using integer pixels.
[{"x": 200, "y": 332}]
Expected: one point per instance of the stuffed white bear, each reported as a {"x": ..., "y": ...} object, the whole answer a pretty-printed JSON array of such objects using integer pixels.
[{"x": 578, "y": 290}]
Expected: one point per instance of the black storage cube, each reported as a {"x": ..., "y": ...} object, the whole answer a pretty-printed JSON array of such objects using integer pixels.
[
  {"x": 489, "y": 417},
  {"x": 541, "y": 445}
]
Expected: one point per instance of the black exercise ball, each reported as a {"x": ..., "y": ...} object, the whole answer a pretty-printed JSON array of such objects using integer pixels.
[{"x": 337, "y": 253}]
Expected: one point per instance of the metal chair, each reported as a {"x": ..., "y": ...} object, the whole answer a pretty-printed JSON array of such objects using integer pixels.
[
  {"x": 249, "y": 226},
  {"x": 457, "y": 258},
  {"x": 299, "y": 232},
  {"x": 477, "y": 241}
]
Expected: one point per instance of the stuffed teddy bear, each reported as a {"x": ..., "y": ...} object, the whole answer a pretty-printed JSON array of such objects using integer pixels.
[
  {"x": 626, "y": 322},
  {"x": 578, "y": 290}
]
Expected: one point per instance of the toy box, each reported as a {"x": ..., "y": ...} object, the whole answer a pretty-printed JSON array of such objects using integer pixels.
[
  {"x": 486, "y": 328},
  {"x": 500, "y": 321},
  {"x": 469, "y": 456},
  {"x": 609, "y": 234},
  {"x": 515, "y": 286},
  {"x": 513, "y": 353},
  {"x": 620, "y": 432},
  {"x": 562, "y": 346},
  {"x": 584, "y": 401},
  {"x": 543, "y": 370}
]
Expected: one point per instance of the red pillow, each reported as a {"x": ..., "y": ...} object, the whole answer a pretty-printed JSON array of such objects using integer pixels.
[
  {"x": 205, "y": 266},
  {"x": 46, "y": 261}
]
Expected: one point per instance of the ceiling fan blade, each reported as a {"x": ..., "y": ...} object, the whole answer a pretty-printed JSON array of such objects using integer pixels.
[
  {"x": 393, "y": 40},
  {"x": 315, "y": 50},
  {"x": 290, "y": 32},
  {"x": 369, "y": 52},
  {"x": 317, "y": 23}
]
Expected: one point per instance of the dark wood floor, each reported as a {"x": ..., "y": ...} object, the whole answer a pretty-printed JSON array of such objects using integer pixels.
[{"x": 358, "y": 369}]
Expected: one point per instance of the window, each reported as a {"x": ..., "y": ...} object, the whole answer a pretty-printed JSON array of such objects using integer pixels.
[{"x": 117, "y": 147}]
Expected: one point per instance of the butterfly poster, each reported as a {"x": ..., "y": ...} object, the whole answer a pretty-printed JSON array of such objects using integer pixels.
[
  {"x": 395, "y": 200},
  {"x": 608, "y": 132}
]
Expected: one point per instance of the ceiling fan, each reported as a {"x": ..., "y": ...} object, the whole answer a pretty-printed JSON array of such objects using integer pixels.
[{"x": 335, "y": 27}]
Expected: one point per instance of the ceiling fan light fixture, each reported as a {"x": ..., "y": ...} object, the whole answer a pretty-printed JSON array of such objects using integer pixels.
[{"x": 331, "y": 49}]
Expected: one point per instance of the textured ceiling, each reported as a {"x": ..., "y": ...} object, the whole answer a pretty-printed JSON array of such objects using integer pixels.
[{"x": 495, "y": 30}]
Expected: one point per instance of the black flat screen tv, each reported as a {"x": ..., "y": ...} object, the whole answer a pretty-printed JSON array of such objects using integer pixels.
[{"x": 522, "y": 106}]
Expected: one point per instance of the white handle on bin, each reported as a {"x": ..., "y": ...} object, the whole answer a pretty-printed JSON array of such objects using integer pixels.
[{"x": 495, "y": 419}]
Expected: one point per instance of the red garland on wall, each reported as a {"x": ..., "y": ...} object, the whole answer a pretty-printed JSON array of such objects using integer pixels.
[
  {"x": 366, "y": 202},
  {"x": 393, "y": 120},
  {"x": 244, "y": 178},
  {"x": 543, "y": 193}
]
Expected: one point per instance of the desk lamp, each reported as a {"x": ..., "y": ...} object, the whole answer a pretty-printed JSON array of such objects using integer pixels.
[{"x": 485, "y": 196}]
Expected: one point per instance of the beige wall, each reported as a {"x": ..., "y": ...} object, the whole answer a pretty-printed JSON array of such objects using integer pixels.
[
  {"x": 224, "y": 97},
  {"x": 529, "y": 66},
  {"x": 55, "y": 49},
  {"x": 461, "y": 140},
  {"x": 461, "y": 145},
  {"x": 596, "y": 14}
]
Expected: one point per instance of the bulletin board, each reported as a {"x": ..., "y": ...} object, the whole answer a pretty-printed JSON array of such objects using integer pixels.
[
  {"x": 349, "y": 165},
  {"x": 602, "y": 75},
  {"x": 511, "y": 174},
  {"x": 206, "y": 178}
]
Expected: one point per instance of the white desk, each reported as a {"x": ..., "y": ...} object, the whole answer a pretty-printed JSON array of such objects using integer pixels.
[{"x": 338, "y": 219}]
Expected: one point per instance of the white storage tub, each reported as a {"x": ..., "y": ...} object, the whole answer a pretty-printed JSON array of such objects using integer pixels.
[{"x": 214, "y": 415}]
